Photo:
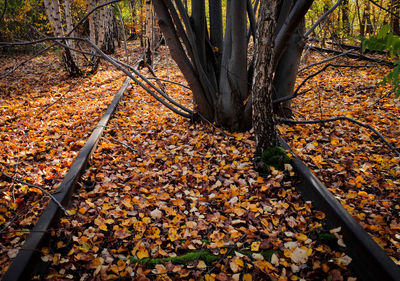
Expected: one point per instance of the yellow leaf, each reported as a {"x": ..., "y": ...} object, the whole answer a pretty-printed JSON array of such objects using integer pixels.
[
  {"x": 209, "y": 277},
  {"x": 247, "y": 277},
  {"x": 236, "y": 264},
  {"x": 142, "y": 253},
  {"x": 255, "y": 246},
  {"x": 201, "y": 265},
  {"x": 121, "y": 265},
  {"x": 96, "y": 262},
  {"x": 334, "y": 141},
  {"x": 301, "y": 237},
  {"x": 103, "y": 227}
]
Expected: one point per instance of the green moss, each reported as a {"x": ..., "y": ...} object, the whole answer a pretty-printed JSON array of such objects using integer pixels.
[
  {"x": 206, "y": 256},
  {"x": 326, "y": 237},
  {"x": 276, "y": 157},
  {"x": 203, "y": 255}
]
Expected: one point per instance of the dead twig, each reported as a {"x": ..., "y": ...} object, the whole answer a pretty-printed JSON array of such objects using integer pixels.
[
  {"x": 12, "y": 179},
  {"x": 123, "y": 144}
]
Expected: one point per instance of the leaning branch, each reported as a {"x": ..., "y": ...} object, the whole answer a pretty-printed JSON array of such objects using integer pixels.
[
  {"x": 12, "y": 179},
  {"x": 120, "y": 65},
  {"x": 323, "y": 17},
  {"x": 367, "y": 126},
  {"x": 168, "y": 81},
  {"x": 383, "y": 8},
  {"x": 296, "y": 15},
  {"x": 68, "y": 34}
]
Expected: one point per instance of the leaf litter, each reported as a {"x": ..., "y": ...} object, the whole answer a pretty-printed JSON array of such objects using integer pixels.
[
  {"x": 45, "y": 119},
  {"x": 350, "y": 160},
  {"x": 185, "y": 203}
]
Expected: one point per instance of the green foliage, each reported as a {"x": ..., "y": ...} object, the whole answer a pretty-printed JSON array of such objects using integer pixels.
[
  {"x": 386, "y": 41},
  {"x": 276, "y": 157}
]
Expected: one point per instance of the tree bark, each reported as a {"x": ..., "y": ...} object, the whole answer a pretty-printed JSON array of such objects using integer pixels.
[
  {"x": 345, "y": 17},
  {"x": 394, "y": 21},
  {"x": 216, "y": 30},
  {"x": 263, "y": 118},
  {"x": 286, "y": 72},
  {"x": 53, "y": 13},
  {"x": 220, "y": 81}
]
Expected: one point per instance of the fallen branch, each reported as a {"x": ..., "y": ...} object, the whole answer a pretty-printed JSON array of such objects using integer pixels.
[
  {"x": 17, "y": 215},
  {"x": 367, "y": 126},
  {"x": 12, "y": 179},
  {"x": 57, "y": 100},
  {"x": 324, "y": 61},
  {"x": 124, "y": 144},
  {"x": 352, "y": 55}
]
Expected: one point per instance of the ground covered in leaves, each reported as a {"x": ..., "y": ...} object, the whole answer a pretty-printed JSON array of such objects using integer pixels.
[
  {"x": 166, "y": 199},
  {"x": 351, "y": 160},
  {"x": 45, "y": 119}
]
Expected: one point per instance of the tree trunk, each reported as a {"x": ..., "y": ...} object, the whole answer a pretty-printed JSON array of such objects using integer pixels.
[
  {"x": 148, "y": 41},
  {"x": 286, "y": 72},
  {"x": 53, "y": 13},
  {"x": 263, "y": 118},
  {"x": 345, "y": 18},
  {"x": 394, "y": 21},
  {"x": 233, "y": 88},
  {"x": 216, "y": 30},
  {"x": 216, "y": 69}
]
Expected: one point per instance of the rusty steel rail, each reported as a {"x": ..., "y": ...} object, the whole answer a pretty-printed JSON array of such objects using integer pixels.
[
  {"x": 22, "y": 266},
  {"x": 369, "y": 261}
]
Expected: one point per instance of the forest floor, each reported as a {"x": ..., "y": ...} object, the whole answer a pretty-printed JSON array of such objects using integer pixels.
[{"x": 168, "y": 199}]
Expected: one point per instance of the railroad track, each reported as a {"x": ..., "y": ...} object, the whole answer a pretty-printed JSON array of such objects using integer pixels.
[{"x": 370, "y": 262}]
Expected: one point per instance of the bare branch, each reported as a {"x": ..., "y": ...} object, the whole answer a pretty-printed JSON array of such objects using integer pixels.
[
  {"x": 352, "y": 55},
  {"x": 367, "y": 126},
  {"x": 123, "y": 144},
  {"x": 383, "y": 8},
  {"x": 323, "y": 17},
  {"x": 324, "y": 61},
  {"x": 292, "y": 21},
  {"x": 118, "y": 64},
  {"x": 12, "y": 179}
]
